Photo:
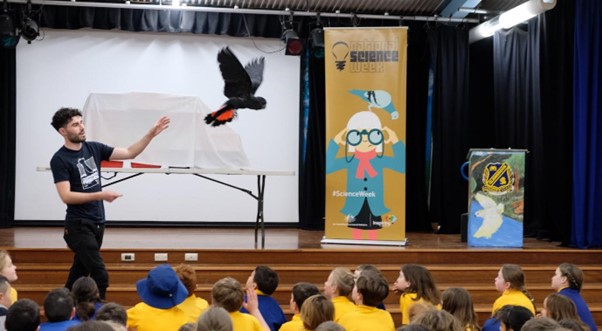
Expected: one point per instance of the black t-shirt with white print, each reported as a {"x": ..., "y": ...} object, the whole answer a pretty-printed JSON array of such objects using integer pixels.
[{"x": 82, "y": 170}]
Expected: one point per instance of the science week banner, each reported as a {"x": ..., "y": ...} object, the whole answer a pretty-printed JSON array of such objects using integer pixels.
[{"x": 366, "y": 134}]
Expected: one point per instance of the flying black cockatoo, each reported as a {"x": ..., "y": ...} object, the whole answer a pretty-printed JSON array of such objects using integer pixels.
[{"x": 240, "y": 86}]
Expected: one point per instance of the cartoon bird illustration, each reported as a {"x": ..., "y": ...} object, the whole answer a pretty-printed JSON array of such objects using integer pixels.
[
  {"x": 379, "y": 99},
  {"x": 240, "y": 86},
  {"x": 491, "y": 214}
]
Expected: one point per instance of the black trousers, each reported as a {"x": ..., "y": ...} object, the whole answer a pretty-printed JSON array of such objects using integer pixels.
[{"x": 84, "y": 238}]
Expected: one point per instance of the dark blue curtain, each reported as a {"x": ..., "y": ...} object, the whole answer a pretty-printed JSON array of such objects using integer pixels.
[
  {"x": 517, "y": 119},
  {"x": 450, "y": 63},
  {"x": 312, "y": 147},
  {"x": 417, "y": 93},
  {"x": 556, "y": 64},
  {"x": 587, "y": 137}
]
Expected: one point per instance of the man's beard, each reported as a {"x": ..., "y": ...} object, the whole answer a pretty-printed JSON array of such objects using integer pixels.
[{"x": 76, "y": 138}]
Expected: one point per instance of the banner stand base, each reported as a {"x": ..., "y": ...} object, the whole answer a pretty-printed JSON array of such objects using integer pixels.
[{"x": 326, "y": 241}]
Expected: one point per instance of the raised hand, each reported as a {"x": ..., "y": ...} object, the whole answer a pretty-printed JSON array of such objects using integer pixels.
[{"x": 162, "y": 124}]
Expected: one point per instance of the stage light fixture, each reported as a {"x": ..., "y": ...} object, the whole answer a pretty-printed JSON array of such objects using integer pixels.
[
  {"x": 294, "y": 45},
  {"x": 9, "y": 38},
  {"x": 510, "y": 18},
  {"x": 29, "y": 29},
  {"x": 316, "y": 38}
]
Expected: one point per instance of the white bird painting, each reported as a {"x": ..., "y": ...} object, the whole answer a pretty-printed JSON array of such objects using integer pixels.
[{"x": 491, "y": 215}]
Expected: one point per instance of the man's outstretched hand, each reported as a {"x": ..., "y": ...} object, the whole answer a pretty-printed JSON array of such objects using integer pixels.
[{"x": 162, "y": 124}]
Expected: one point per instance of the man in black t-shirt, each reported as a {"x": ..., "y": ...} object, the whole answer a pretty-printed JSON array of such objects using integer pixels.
[{"x": 76, "y": 171}]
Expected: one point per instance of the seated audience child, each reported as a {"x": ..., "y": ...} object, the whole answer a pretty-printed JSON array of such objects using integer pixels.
[
  {"x": 330, "y": 326},
  {"x": 438, "y": 320},
  {"x": 560, "y": 307},
  {"x": 86, "y": 298},
  {"x": 512, "y": 317},
  {"x": 416, "y": 284},
  {"x": 161, "y": 292},
  {"x": 264, "y": 281},
  {"x": 370, "y": 289},
  {"x": 59, "y": 311},
  {"x": 510, "y": 281},
  {"x": 228, "y": 294},
  {"x": 114, "y": 312},
  {"x": 457, "y": 301},
  {"x": 215, "y": 319},
  {"x": 23, "y": 315},
  {"x": 5, "y": 300},
  {"x": 358, "y": 271},
  {"x": 193, "y": 306},
  {"x": 300, "y": 293},
  {"x": 316, "y": 310},
  {"x": 572, "y": 325},
  {"x": 8, "y": 270},
  {"x": 568, "y": 280},
  {"x": 338, "y": 288}
]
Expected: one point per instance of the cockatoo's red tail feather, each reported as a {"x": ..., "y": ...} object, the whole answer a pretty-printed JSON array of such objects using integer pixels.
[
  {"x": 220, "y": 117},
  {"x": 226, "y": 116}
]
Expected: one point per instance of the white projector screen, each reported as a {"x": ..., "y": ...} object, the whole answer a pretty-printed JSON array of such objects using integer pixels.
[{"x": 67, "y": 65}]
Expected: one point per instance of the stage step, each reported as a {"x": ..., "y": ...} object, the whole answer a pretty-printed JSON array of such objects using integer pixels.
[
  {"x": 291, "y": 273},
  {"x": 331, "y": 256}
]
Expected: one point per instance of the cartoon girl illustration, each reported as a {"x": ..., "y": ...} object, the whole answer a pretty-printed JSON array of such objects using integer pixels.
[{"x": 364, "y": 140}]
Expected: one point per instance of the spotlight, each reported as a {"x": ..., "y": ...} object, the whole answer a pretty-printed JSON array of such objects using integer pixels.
[
  {"x": 29, "y": 30},
  {"x": 316, "y": 37},
  {"x": 294, "y": 45},
  {"x": 9, "y": 38}
]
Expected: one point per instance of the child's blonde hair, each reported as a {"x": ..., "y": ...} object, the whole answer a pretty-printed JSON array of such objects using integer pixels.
[
  {"x": 3, "y": 255},
  {"x": 343, "y": 280}
]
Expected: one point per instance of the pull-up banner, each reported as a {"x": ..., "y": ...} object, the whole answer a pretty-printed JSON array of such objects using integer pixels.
[{"x": 366, "y": 133}]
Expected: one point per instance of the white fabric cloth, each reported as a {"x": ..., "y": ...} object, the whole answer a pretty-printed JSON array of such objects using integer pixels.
[{"x": 119, "y": 120}]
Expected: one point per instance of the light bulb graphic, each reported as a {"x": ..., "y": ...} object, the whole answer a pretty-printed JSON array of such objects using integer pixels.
[{"x": 340, "y": 51}]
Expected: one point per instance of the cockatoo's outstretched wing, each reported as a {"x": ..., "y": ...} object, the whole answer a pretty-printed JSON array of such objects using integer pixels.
[{"x": 491, "y": 214}]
